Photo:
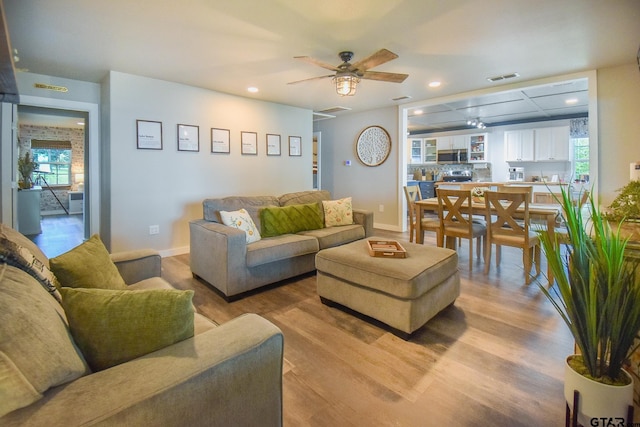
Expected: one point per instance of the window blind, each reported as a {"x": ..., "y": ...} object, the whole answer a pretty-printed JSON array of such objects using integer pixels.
[{"x": 50, "y": 144}]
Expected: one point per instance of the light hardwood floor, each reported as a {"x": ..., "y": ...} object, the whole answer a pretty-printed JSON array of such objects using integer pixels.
[{"x": 495, "y": 358}]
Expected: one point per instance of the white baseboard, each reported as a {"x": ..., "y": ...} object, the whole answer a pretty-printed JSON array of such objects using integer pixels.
[
  {"x": 174, "y": 251},
  {"x": 56, "y": 212},
  {"x": 387, "y": 227}
]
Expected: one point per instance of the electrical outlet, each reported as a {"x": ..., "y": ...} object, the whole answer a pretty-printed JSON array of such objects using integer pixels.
[
  {"x": 154, "y": 229},
  {"x": 381, "y": 208}
]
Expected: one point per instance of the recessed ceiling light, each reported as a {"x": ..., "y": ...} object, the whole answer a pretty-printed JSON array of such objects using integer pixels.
[
  {"x": 80, "y": 123},
  {"x": 252, "y": 89},
  {"x": 417, "y": 112},
  {"x": 571, "y": 101},
  {"x": 434, "y": 84}
]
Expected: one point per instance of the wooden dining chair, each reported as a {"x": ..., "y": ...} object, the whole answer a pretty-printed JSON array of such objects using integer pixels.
[
  {"x": 456, "y": 220},
  {"x": 510, "y": 226},
  {"x": 412, "y": 194}
]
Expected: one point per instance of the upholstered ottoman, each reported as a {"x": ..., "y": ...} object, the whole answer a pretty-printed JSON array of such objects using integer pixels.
[{"x": 403, "y": 293}]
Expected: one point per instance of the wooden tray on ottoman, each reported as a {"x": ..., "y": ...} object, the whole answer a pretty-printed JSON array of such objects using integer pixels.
[{"x": 386, "y": 249}]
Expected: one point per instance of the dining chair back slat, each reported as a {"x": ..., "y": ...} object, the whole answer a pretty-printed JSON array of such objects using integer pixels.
[{"x": 455, "y": 214}]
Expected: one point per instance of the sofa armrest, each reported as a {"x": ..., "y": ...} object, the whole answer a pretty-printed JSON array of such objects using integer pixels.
[
  {"x": 364, "y": 218},
  {"x": 218, "y": 253},
  {"x": 230, "y": 375},
  {"x": 138, "y": 265}
]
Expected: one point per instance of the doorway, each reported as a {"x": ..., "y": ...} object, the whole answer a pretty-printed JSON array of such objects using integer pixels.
[
  {"x": 317, "y": 136},
  {"x": 56, "y": 140}
]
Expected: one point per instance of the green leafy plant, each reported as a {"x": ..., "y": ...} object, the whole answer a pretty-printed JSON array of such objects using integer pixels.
[
  {"x": 627, "y": 204},
  {"x": 597, "y": 293},
  {"x": 26, "y": 167}
]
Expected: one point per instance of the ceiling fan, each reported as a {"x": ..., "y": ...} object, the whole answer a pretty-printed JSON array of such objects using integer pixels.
[{"x": 348, "y": 75}]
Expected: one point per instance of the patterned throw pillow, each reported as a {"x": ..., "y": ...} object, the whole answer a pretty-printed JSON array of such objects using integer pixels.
[
  {"x": 241, "y": 220},
  {"x": 18, "y": 256},
  {"x": 337, "y": 212}
]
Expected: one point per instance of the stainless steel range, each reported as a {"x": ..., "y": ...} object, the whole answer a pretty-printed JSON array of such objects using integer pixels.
[{"x": 457, "y": 176}]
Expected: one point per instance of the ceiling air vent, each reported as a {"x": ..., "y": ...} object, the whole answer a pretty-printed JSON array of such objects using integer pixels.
[
  {"x": 332, "y": 110},
  {"x": 503, "y": 77},
  {"x": 401, "y": 98}
]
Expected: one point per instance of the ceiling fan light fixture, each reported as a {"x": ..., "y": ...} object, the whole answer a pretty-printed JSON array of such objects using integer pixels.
[{"x": 346, "y": 84}]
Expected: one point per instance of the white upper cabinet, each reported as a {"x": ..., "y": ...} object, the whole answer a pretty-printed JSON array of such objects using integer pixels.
[
  {"x": 518, "y": 145},
  {"x": 552, "y": 144},
  {"x": 429, "y": 150},
  {"x": 415, "y": 153},
  {"x": 444, "y": 142},
  {"x": 456, "y": 142},
  {"x": 478, "y": 148}
]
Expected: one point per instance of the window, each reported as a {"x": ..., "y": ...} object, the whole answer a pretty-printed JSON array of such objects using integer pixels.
[
  {"x": 54, "y": 161},
  {"x": 580, "y": 159}
]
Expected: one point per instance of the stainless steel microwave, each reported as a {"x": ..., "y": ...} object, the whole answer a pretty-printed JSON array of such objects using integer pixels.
[{"x": 453, "y": 156}]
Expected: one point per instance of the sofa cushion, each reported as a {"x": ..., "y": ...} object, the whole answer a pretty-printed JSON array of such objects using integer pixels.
[
  {"x": 334, "y": 236},
  {"x": 16, "y": 255},
  {"x": 36, "y": 348},
  {"x": 88, "y": 265},
  {"x": 212, "y": 207},
  {"x": 280, "y": 247},
  {"x": 337, "y": 212},
  {"x": 302, "y": 197},
  {"x": 290, "y": 219},
  {"x": 241, "y": 220},
  {"x": 115, "y": 326}
]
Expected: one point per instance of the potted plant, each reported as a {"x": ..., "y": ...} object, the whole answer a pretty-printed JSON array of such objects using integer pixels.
[
  {"x": 597, "y": 294},
  {"x": 26, "y": 167},
  {"x": 625, "y": 210}
]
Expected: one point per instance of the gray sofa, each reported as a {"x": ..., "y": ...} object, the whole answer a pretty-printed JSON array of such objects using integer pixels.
[
  {"x": 224, "y": 375},
  {"x": 221, "y": 257}
]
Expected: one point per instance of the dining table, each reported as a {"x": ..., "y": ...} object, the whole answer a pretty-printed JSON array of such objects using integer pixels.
[{"x": 548, "y": 213}]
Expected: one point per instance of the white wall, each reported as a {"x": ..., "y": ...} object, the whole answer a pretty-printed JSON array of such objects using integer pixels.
[
  {"x": 166, "y": 187},
  {"x": 619, "y": 127},
  {"x": 369, "y": 187}
]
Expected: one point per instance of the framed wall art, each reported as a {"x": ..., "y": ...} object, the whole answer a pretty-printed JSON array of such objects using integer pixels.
[
  {"x": 273, "y": 145},
  {"x": 188, "y": 138},
  {"x": 295, "y": 143},
  {"x": 149, "y": 135},
  {"x": 249, "y": 142},
  {"x": 373, "y": 146},
  {"x": 220, "y": 140}
]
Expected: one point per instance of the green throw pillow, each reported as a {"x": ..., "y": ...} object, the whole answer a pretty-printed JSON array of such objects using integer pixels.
[
  {"x": 87, "y": 266},
  {"x": 113, "y": 326},
  {"x": 290, "y": 219}
]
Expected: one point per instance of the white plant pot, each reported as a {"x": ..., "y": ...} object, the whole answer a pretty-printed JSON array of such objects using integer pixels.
[{"x": 597, "y": 400}]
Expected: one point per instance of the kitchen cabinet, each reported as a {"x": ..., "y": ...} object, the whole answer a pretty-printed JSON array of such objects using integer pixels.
[
  {"x": 415, "y": 145},
  {"x": 429, "y": 150},
  {"x": 478, "y": 148},
  {"x": 519, "y": 145},
  {"x": 456, "y": 142},
  {"x": 552, "y": 144},
  {"x": 427, "y": 188}
]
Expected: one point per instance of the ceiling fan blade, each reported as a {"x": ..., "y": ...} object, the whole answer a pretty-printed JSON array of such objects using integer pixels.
[
  {"x": 317, "y": 62},
  {"x": 385, "y": 77},
  {"x": 380, "y": 57},
  {"x": 312, "y": 78}
]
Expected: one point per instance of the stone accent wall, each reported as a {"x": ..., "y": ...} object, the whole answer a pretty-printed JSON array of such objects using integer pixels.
[{"x": 26, "y": 133}]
